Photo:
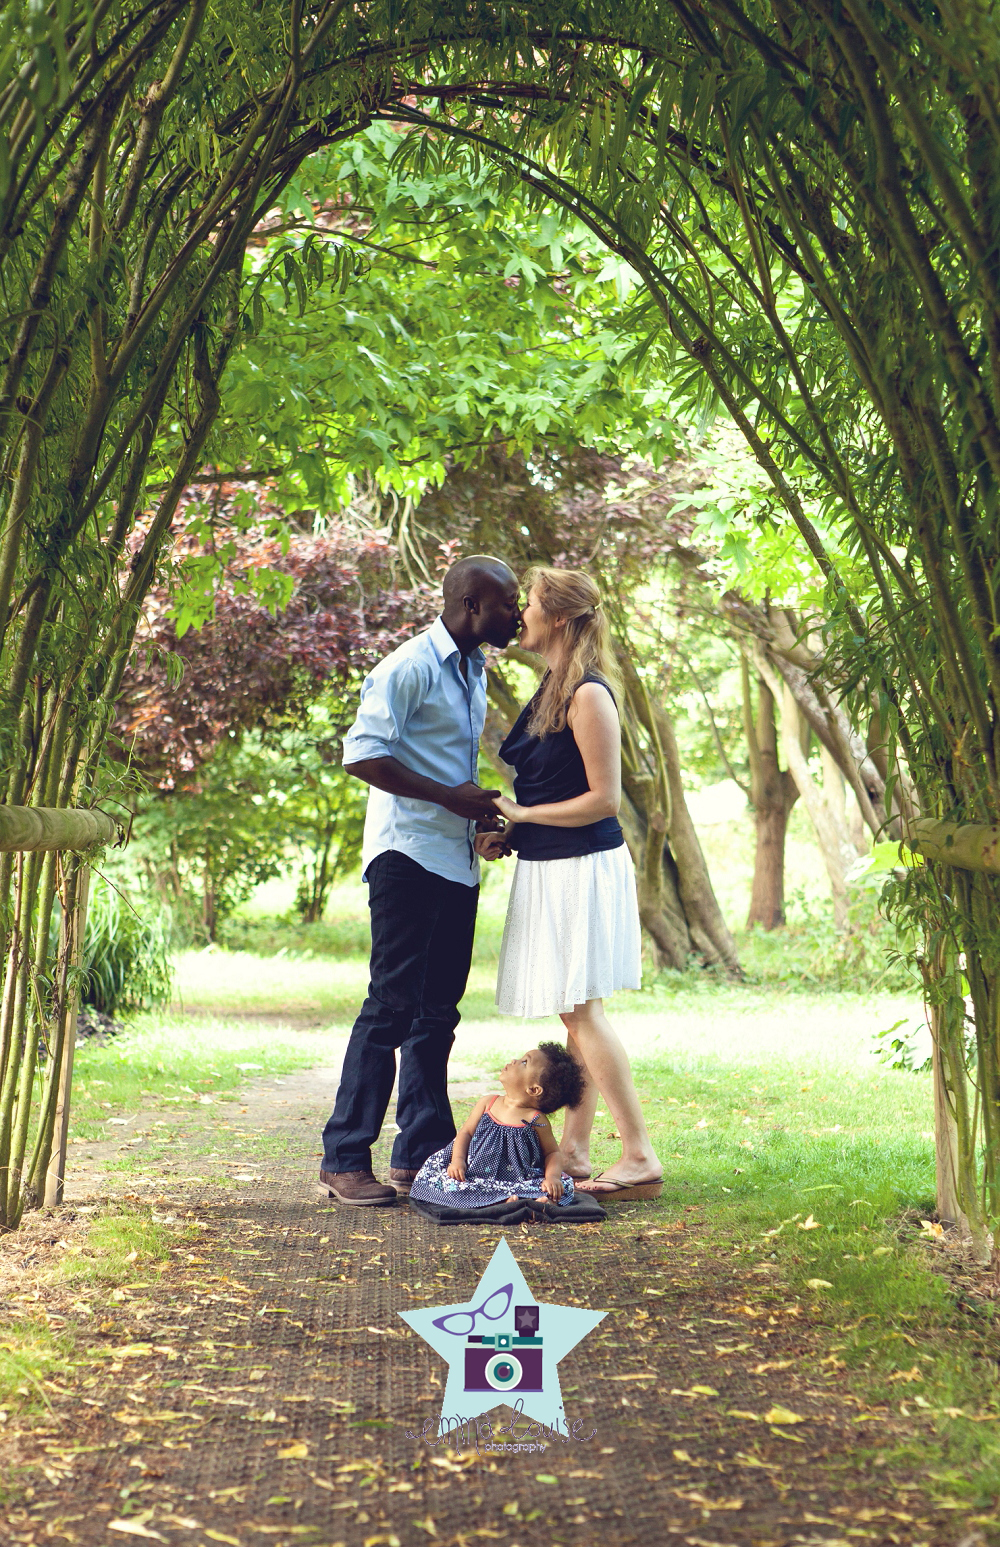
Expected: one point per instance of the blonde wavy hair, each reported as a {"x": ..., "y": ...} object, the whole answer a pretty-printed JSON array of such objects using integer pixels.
[{"x": 570, "y": 594}]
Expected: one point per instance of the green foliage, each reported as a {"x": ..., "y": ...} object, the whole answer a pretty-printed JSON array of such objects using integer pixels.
[
  {"x": 810, "y": 952},
  {"x": 126, "y": 952},
  {"x": 455, "y": 313},
  {"x": 205, "y": 848}
]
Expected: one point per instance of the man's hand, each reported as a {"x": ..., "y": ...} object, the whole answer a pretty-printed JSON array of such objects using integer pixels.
[
  {"x": 466, "y": 800},
  {"x": 473, "y": 803}
]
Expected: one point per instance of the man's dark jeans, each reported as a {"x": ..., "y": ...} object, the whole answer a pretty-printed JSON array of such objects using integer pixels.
[{"x": 422, "y": 933}]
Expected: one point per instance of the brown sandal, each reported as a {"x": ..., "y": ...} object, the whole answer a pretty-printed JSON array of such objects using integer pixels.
[{"x": 624, "y": 1192}]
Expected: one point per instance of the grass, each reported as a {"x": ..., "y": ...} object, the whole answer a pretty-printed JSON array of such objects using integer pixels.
[
  {"x": 31, "y": 1355},
  {"x": 166, "y": 1061}
]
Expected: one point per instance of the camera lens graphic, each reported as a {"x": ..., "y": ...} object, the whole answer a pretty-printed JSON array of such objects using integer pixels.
[{"x": 503, "y": 1371}]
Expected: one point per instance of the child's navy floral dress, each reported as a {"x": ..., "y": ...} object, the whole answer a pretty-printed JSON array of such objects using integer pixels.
[{"x": 505, "y": 1160}]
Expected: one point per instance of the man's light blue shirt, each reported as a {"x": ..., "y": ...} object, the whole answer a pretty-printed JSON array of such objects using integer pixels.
[{"x": 417, "y": 707}]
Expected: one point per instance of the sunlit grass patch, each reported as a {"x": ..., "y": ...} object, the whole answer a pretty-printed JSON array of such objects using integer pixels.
[
  {"x": 32, "y": 1354},
  {"x": 120, "y": 1246},
  {"x": 170, "y": 1062}
]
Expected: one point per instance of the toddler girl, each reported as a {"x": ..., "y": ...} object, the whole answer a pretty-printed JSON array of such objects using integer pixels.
[{"x": 506, "y": 1150}]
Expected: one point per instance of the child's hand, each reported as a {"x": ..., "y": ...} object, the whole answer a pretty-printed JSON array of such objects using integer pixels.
[
  {"x": 456, "y": 1170},
  {"x": 553, "y": 1187}
]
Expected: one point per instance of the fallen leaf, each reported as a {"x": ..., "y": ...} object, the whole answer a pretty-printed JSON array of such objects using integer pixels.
[
  {"x": 809, "y": 1223},
  {"x": 427, "y": 1524},
  {"x": 778, "y": 1414},
  {"x": 545, "y": 1477},
  {"x": 741, "y": 1412},
  {"x": 745, "y": 1460},
  {"x": 907, "y": 1375},
  {"x": 773, "y": 1364},
  {"x": 645, "y": 1375},
  {"x": 682, "y": 1455},
  {"x": 702, "y": 1123},
  {"x": 296, "y": 1451},
  {"x": 217, "y": 1536},
  {"x": 136, "y": 1528},
  {"x": 882, "y": 1251},
  {"x": 818, "y": 1283},
  {"x": 932, "y": 1227}
]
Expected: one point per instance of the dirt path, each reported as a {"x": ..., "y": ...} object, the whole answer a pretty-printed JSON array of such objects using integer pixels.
[{"x": 259, "y": 1389}]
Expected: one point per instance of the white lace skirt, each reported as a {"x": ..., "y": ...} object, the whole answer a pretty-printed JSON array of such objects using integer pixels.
[{"x": 572, "y": 933}]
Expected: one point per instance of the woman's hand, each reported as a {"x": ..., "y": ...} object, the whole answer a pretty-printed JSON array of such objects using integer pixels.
[
  {"x": 456, "y": 1170},
  {"x": 511, "y": 810}
]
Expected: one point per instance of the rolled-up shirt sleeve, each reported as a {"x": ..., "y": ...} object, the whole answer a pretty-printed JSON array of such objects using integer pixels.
[{"x": 388, "y": 698}]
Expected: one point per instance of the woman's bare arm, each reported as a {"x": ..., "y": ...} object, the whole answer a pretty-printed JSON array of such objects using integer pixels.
[{"x": 593, "y": 719}]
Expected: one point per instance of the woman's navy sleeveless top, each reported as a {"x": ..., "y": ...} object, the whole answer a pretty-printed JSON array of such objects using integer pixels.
[{"x": 550, "y": 769}]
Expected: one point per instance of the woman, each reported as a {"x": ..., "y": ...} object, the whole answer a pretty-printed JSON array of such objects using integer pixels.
[{"x": 572, "y": 932}]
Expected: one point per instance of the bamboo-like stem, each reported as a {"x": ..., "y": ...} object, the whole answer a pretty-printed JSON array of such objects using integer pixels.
[
  {"x": 15, "y": 1094},
  {"x": 70, "y": 954}
]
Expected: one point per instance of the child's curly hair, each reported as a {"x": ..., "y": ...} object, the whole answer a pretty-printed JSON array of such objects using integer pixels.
[{"x": 564, "y": 1079}]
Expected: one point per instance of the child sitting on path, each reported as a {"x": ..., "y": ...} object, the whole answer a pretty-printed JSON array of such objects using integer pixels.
[{"x": 506, "y": 1150}]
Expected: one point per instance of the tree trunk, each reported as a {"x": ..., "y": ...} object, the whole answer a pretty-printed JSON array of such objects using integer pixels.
[
  {"x": 672, "y": 864},
  {"x": 831, "y": 830},
  {"x": 773, "y": 793}
]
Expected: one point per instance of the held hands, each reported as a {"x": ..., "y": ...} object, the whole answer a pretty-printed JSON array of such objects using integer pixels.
[
  {"x": 492, "y": 845},
  {"x": 456, "y": 1170},
  {"x": 474, "y": 804},
  {"x": 509, "y": 808}
]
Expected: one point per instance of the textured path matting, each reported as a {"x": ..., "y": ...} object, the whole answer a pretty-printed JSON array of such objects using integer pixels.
[{"x": 262, "y": 1390}]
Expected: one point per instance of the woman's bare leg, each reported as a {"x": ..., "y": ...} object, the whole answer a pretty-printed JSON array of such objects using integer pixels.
[
  {"x": 575, "y": 1140},
  {"x": 596, "y": 1044}
]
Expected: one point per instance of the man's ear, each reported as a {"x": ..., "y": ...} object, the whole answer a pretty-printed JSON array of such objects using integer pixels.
[{"x": 471, "y": 604}]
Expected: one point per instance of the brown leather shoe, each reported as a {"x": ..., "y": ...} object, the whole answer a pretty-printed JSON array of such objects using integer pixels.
[
  {"x": 402, "y": 1180},
  {"x": 358, "y": 1188}
]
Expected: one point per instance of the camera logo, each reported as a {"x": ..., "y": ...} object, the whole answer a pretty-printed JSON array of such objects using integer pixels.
[
  {"x": 506, "y": 1362},
  {"x": 494, "y": 1346}
]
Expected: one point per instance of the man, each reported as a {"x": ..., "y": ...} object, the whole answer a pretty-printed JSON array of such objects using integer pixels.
[{"x": 416, "y": 744}]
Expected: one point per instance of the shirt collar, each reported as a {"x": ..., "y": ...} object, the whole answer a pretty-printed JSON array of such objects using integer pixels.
[{"x": 445, "y": 646}]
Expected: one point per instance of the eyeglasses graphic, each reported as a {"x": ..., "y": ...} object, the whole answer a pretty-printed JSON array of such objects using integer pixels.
[{"x": 458, "y": 1324}]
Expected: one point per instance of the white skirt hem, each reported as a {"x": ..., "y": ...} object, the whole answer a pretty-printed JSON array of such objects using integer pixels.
[{"x": 572, "y": 934}]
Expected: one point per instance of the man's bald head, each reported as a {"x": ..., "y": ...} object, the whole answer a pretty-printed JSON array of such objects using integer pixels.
[
  {"x": 480, "y": 602},
  {"x": 474, "y": 576}
]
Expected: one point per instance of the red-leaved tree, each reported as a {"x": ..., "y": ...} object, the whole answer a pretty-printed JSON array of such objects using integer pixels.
[{"x": 251, "y": 666}]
